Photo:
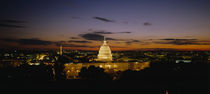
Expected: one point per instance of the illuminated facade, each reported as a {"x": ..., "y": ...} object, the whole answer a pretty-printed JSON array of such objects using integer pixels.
[
  {"x": 104, "y": 52},
  {"x": 72, "y": 70}
]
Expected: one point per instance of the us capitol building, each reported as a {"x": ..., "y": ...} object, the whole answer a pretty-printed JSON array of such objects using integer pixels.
[
  {"x": 104, "y": 59},
  {"x": 105, "y": 53}
]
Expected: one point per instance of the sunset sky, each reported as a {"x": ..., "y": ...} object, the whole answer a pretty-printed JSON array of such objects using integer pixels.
[{"x": 127, "y": 24}]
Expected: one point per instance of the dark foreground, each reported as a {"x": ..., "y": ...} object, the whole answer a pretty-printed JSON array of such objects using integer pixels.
[
  {"x": 159, "y": 79},
  {"x": 187, "y": 86}
]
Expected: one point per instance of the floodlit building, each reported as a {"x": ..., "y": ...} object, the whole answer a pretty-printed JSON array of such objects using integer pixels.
[
  {"x": 104, "y": 52},
  {"x": 72, "y": 70}
]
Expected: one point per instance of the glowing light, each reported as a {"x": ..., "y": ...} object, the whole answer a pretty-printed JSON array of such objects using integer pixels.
[{"x": 166, "y": 91}]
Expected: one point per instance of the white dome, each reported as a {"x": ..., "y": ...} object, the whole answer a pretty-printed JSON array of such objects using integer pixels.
[{"x": 104, "y": 53}]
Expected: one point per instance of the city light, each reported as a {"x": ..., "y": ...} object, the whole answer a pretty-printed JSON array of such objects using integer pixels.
[{"x": 104, "y": 46}]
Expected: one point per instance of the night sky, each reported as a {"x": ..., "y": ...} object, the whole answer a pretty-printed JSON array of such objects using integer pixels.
[{"x": 127, "y": 24}]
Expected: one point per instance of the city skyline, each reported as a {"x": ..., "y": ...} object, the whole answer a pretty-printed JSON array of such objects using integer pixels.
[{"x": 127, "y": 24}]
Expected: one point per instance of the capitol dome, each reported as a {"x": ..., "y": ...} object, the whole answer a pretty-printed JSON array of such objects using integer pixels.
[{"x": 104, "y": 52}]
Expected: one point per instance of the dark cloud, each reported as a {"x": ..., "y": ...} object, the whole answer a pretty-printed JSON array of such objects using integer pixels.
[
  {"x": 106, "y": 32},
  {"x": 183, "y": 41},
  {"x": 74, "y": 38},
  {"x": 132, "y": 41},
  {"x": 102, "y": 32},
  {"x": 79, "y": 41},
  {"x": 32, "y": 41},
  {"x": 11, "y": 26},
  {"x": 103, "y": 19},
  {"x": 147, "y": 24},
  {"x": 136, "y": 41},
  {"x": 95, "y": 37},
  {"x": 13, "y": 21},
  {"x": 90, "y": 36},
  {"x": 178, "y": 39},
  {"x": 125, "y": 32}
]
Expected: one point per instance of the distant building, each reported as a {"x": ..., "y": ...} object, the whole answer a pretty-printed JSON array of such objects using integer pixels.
[
  {"x": 104, "y": 52},
  {"x": 184, "y": 61},
  {"x": 61, "y": 50}
]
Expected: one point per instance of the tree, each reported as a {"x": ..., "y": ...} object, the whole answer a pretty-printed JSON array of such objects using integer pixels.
[{"x": 94, "y": 73}]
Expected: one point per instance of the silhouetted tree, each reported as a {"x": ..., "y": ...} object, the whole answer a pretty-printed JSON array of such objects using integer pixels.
[
  {"x": 59, "y": 68},
  {"x": 38, "y": 73},
  {"x": 94, "y": 73}
]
